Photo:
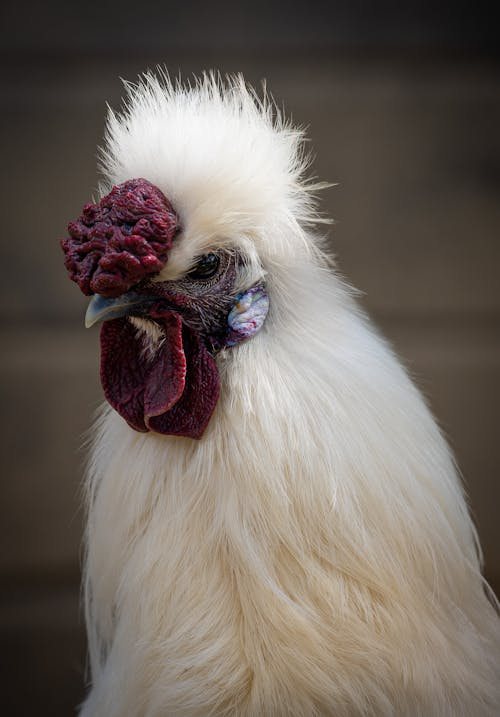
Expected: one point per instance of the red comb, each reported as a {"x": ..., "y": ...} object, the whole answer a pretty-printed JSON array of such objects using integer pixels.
[{"x": 121, "y": 240}]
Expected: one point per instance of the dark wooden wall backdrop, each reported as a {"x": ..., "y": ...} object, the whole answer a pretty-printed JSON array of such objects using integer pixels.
[{"x": 403, "y": 106}]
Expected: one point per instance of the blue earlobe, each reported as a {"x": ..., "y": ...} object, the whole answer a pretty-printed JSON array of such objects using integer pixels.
[{"x": 247, "y": 315}]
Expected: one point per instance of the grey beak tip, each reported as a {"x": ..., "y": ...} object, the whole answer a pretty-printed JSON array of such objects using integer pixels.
[{"x": 101, "y": 308}]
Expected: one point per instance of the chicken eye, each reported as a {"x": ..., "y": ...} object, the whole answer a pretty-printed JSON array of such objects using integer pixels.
[{"x": 205, "y": 267}]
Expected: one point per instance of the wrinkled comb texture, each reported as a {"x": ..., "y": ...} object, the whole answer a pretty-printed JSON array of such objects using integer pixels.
[{"x": 121, "y": 240}]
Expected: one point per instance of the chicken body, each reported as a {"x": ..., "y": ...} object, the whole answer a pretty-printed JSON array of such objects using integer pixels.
[{"x": 312, "y": 553}]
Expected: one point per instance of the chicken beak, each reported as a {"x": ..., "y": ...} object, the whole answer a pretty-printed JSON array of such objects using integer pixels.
[{"x": 101, "y": 308}]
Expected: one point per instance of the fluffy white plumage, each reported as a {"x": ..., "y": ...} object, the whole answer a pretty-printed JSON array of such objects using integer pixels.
[{"x": 312, "y": 554}]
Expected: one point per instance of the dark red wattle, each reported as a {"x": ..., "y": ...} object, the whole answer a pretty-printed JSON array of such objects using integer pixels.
[
  {"x": 192, "y": 412},
  {"x": 166, "y": 377},
  {"x": 121, "y": 240},
  {"x": 174, "y": 393}
]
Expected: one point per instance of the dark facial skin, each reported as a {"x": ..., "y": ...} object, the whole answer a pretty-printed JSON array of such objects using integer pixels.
[{"x": 202, "y": 302}]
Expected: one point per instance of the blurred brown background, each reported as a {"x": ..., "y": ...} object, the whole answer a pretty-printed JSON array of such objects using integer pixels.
[{"x": 403, "y": 106}]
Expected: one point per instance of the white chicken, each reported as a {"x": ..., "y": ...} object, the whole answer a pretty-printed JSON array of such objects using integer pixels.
[{"x": 275, "y": 524}]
